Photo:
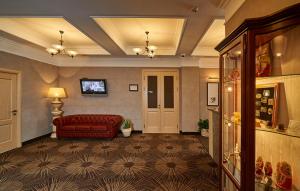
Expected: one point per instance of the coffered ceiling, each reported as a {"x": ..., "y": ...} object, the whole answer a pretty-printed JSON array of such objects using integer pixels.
[
  {"x": 214, "y": 34},
  {"x": 129, "y": 33},
  {"x": 45, "y": 32},
  {"x": 102, "y": 27}
]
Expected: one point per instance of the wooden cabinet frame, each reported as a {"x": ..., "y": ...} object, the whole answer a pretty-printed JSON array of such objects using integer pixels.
[{"x": 246, "y": 34}]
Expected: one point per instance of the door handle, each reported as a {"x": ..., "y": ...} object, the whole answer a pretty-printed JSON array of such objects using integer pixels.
[
  {"x": 158, "y": 106},
  {"x": 14, "y": 112}
]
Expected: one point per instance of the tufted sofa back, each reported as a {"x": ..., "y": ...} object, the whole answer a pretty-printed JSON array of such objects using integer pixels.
[{"x": 92, "y": 119}]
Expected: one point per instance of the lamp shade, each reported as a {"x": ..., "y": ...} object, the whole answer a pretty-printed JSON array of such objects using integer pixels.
[{"x": 56, "y": 93}]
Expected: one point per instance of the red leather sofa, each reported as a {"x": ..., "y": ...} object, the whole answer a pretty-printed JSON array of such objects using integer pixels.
[{"x": 88, "y": 126}]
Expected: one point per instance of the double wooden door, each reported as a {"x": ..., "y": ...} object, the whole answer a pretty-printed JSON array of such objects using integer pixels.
[{"x": 161, "y": 101}]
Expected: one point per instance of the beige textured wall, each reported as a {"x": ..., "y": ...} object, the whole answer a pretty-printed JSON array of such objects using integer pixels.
[
  {"x": 194, "y": 95},
  {"x": 129, "y": 104},
  {"x": 119, "y": 100},
  {"x": 37, "y": 77},
  {"x": 256, "y": 8},
  {"x": 204, "y": 74},
  {"x": 189, "y": 99}
]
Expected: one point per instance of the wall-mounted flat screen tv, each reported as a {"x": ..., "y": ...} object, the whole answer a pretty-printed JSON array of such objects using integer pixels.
[{"x": 93, "y": 86}]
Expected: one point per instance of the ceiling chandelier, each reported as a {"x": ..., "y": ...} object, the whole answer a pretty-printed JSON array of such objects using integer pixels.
[
  {"x": 149, "y": 50},
  {"x": 60, "y": 49}
]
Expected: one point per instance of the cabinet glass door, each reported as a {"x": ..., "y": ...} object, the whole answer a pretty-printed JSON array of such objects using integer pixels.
[
  {"x": 231, "y": 112},
  {"x": 277, "y": 110}
]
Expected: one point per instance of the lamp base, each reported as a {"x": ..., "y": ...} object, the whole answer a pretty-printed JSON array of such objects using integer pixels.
[
  {"x": 56, "y": 112},
  {"x": 53, "y": 135}
]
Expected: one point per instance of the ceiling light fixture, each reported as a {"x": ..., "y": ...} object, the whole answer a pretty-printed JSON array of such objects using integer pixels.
[
  {"x": 149, "y": 50},
  {"x": 60, "y": 49}
]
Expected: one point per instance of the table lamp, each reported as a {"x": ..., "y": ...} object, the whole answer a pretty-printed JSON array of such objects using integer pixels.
[{"x": 56, "y": 93}]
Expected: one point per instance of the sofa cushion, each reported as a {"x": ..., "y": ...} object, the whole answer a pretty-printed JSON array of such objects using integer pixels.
[
  {"x": 99, "y": 128},
  {"x": 76, "y": 128},
  {"x": 86, "y": 127}
]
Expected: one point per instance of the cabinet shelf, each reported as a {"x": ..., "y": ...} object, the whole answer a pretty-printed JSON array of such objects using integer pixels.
[
  {"x": 277, "y": 77},
  {"x": 285, "y": 133}
]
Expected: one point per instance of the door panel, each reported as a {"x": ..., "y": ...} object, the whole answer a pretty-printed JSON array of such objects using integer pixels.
[
  {"x": 169, "y": 111},
  {"x": 160, "y": 99},
  {"x": 8, "y": 103},
  {"x": 152, "y": 91},
  {"x": 152, "y": 108}
]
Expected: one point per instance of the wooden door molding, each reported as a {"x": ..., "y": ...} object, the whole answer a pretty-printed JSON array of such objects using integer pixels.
[
  {"x": 176, "y": 93},
  {"x": 19, "y": 102}
]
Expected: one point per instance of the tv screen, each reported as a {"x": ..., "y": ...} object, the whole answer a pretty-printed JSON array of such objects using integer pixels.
[{"x": 93, "y": 86}]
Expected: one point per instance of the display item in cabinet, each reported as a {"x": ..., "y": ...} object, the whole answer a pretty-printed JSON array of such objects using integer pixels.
[
  {"x": 234, "y": 75},
  {"x": 268, "y": 169},
  {"x": 294, "y": 125},
  {"x": 266, "y": 93},
  {"x": 267, "y": 104},
  {"x": 270, "y": 111},
  {"x": 284, "y": 176},
  {"x": 263, "y": 61},
  {"x": 264, "y": 100},
  {"x": 236, "y": 118},
  {"x": 270, "y": 101},
  {"x": 258, "y": 96},
  {"x": 257, "y": 113},
  {"x": 259, "y": 167},
  {"x": 258, "y": 103},
  {"x": 280, "y": 127},
  {"x": 268, "y": 176}
]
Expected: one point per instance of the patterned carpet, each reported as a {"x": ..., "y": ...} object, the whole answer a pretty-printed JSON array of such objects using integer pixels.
[{"x": 143, "y": 162}]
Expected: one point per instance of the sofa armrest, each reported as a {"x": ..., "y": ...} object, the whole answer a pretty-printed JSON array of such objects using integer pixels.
[
  {"x": 58, "y": 122},
  {"x": 115, "y": 122}
]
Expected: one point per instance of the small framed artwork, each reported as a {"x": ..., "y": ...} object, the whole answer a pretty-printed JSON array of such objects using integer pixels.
[
  {"x": 133, "y": 87},
  {"x": 212, "y": 93}
]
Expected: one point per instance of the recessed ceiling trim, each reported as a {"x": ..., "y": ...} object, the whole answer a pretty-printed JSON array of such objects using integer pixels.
[
  {"x": 20, "y": 49},
  {"x": 128, "y": 32},
  {"x": 212, "y": 36},
  {"x": 43, "y": 31},
  {"x": 181, "y": 36}
]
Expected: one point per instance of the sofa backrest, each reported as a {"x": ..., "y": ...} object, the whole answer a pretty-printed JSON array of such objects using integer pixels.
[{"x": 91, "y": 119}]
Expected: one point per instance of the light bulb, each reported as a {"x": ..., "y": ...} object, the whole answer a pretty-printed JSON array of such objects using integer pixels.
[
  {"x": 151, "y": 47},
  {"x": 72, "y": 53},
  {"x": 238, "y": 52},
  {"x": 278, "y": 54},
  {"x": 137, "y": 50},
  {"x": 229, "y": 89},
  {"x": 58, "y": 47},
  {"x": 151, "y": 54},
  {"x": 52, "y": 51}
]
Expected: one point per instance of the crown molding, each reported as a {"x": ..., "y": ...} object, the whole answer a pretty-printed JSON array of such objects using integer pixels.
[
  {"x": 17, "y": 48},
  {"x": 20, "y": 49},
  {"x": 205, "y": 51}
]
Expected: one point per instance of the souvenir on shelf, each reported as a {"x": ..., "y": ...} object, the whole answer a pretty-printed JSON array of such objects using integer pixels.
[
  {"x": 268, "y": 169},
  {"x": 259, "y": 167},
  {"x": 284, "y": 176},
  {"x": 263, "y": 61}
]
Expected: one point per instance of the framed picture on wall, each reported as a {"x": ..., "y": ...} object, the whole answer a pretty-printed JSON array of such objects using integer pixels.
[
  {"x": 133, "y": 87},
  {"x": 212, "y": 93}
]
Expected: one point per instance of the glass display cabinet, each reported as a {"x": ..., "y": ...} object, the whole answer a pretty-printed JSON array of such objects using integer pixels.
[{"x": 260, "y": 104}]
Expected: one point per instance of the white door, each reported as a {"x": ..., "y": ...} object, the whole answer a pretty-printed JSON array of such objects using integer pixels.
[
  {"x": 8, "y": 112},
  {"x": 161, "y": 101}
]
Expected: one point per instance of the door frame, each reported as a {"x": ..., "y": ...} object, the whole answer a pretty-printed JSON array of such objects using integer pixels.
[
  {"x": 19, "y": 101},
  {"x": 144, "y": 97}
]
